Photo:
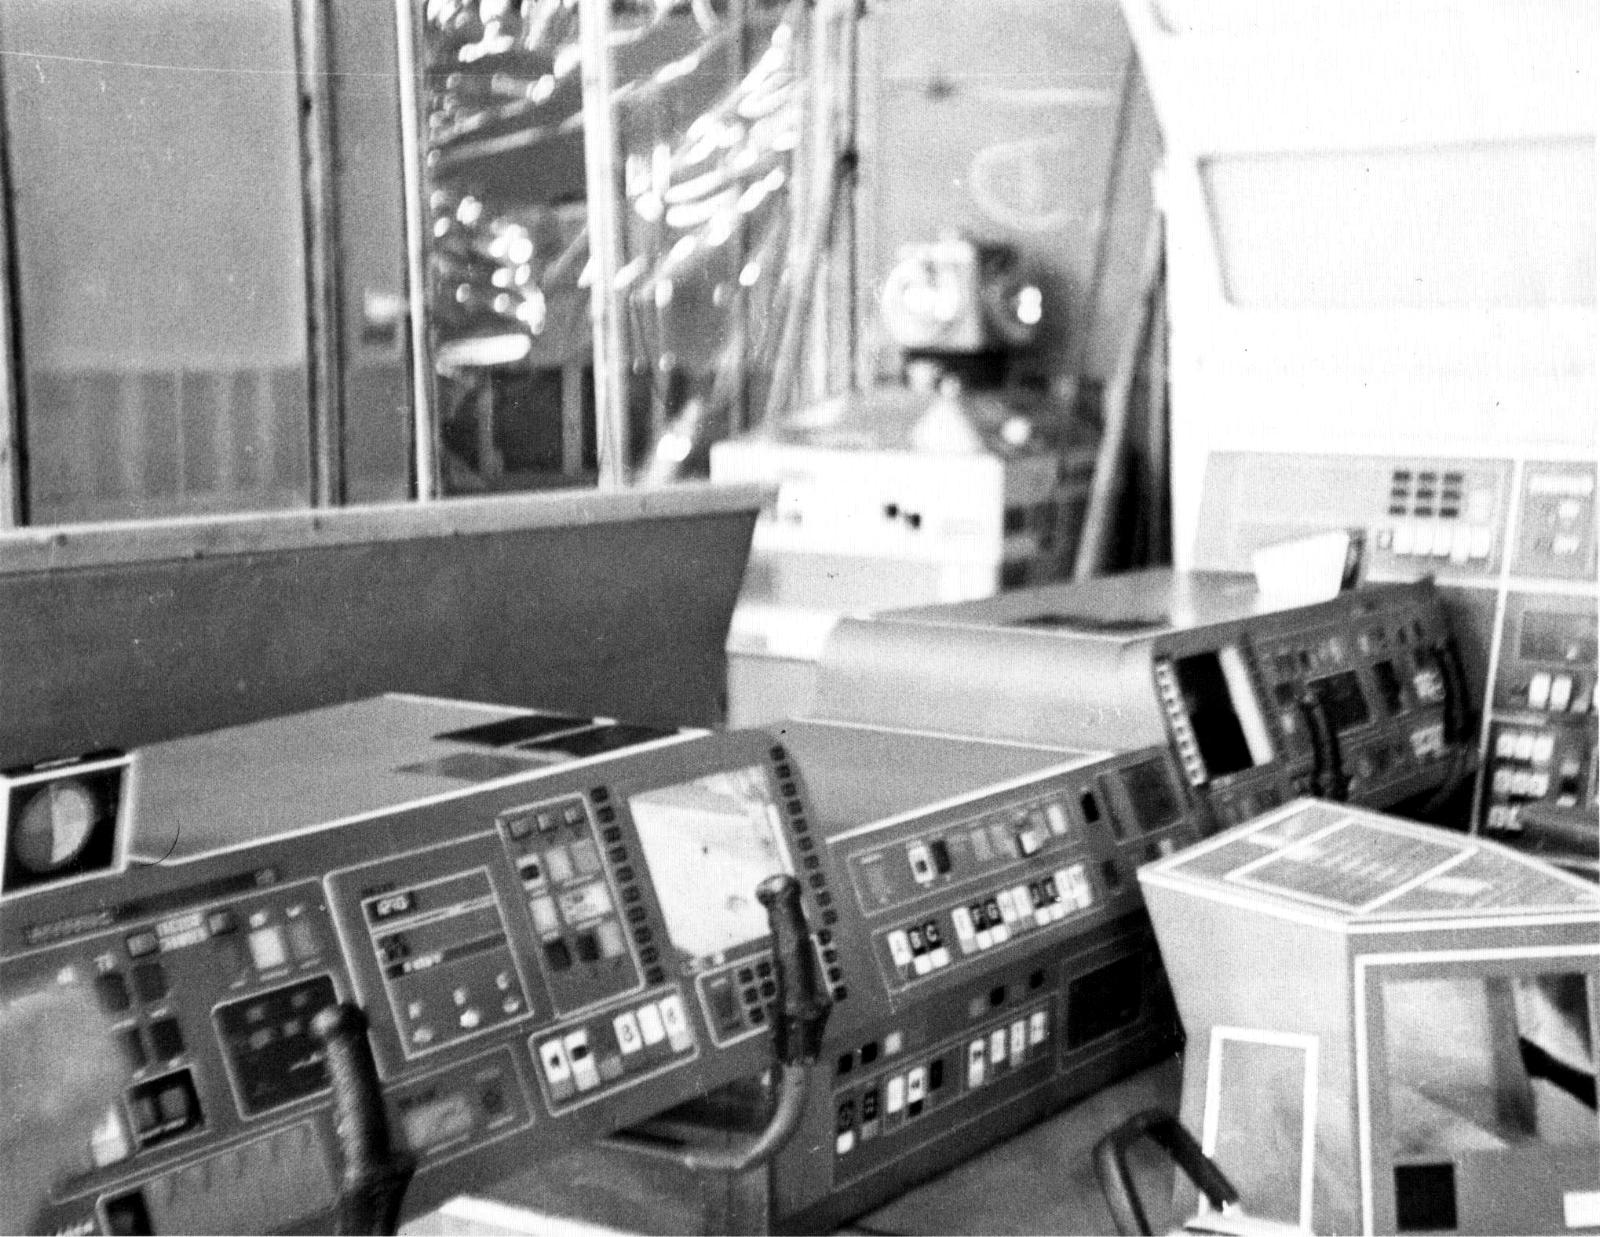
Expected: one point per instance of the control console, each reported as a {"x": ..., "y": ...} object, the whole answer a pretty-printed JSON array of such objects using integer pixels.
[
  {"x": 536, "y": 946},
  {"x": 1362, "y": 697}
]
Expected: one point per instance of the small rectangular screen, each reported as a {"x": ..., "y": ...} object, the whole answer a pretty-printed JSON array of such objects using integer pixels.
[
  {"x": 1342, "y": 697},
  {"x": 1155, "y": 805},
  {"x": 709, "y": 843},
  {"x": 1223, "y": 711}
]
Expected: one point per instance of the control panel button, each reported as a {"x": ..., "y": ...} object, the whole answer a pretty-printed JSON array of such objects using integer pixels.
[
  {"x": 1561, "y": 692},
  {"x": 1539, "y": 690},
  {"x": 131, "y": 1047},
  {"x": 629, "y": 1038},
  {"x": 584, "y": 1071},
  {"x": 679, "y": 1037},
  {"x": 142, "y": 944},
  {"x": 651, "y": 1028},
  {"x": 150, "y": 981},
  {"x": 1544, "y": 749},
  {"x": 900, "y": 947},
  {"x": 267, "y": 949},
  {"x": 557, "y": 1069},
  {"x": 222, "y": 922},
  {"x": 166, "y": 1038},
  {"x": 111, "y": 990}
]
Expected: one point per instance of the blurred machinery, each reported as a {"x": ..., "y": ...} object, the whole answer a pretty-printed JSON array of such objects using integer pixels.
[
  {"x": 952, "y": 486},
  {"x": 1391, "y": 1028}
]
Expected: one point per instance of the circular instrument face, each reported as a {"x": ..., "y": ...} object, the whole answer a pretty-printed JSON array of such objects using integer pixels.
[{"x": 54, "y": 826}]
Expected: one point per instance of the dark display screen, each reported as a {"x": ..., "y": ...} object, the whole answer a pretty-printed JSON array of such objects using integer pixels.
[
  {"x": 1343, "y": 699},
  {"x": 1209, "y": 704},
  {"x": 1155, "y": 804}
]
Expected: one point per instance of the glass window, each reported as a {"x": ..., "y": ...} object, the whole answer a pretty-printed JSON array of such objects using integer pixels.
[{"x": 153, "y": 161}]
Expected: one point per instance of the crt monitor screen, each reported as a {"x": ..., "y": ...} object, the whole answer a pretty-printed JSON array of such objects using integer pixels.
[{"x": 709, "y": 843}]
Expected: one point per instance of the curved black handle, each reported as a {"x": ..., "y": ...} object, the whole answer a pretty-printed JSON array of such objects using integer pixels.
[
  {"x": 1458, "y": 721},
  {"x": 1327, "y": 771},
  {"x": 803, "y": 1005},
  {"x": 373, "y": 1176},
  {"x": 1116, "y": 1182}
]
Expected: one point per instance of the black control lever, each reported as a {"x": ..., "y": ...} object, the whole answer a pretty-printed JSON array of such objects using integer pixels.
[
  {"x": 1458, "y": 720},
  {"x": 801, "y": 1012},
  {"x": 1327, "y": 771},
  {"x": 1116, "y": 1181},
  {"x": 373, "y": 1175},
  {"x": 802, "y": 1004}
]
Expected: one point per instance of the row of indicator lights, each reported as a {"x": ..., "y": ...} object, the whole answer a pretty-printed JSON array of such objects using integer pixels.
[
  {"x": 1459, "y": 543},
  {"x": 988, "y": 1055},
  {"x": 1555, "y": 693},
  {"x": 569, "y": 1062},
  {"x": 983, "y": 925},
  {"x": 1182, "y": 731},
  {"x": 932, "y": 859},
  {"x": 905, "y": 1096}
]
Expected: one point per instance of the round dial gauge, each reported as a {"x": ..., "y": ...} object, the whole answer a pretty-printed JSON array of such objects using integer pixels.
[{"x": 54, "y": 826}]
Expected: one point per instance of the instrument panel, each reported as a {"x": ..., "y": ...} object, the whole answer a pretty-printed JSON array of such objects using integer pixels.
[{"x": 535, "y": 968}]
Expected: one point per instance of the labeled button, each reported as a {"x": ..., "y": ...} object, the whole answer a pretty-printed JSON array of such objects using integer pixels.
[
  {"x": 628, "y": 1037},
  {"x": 1561, "y": 692},
  {"x": 585, "y": 1073},
  {"x": 1038, "y": 1027},
  {"x": 545, "y": 919},
  {"x": 916, "y": 1085},
  {"x": 894, "y": 1097},
  {"x": 900, "y": 948},
  {"x": 1505, "y": 745},
  {"x": 1539, "y": 690},
  {"x": 1525, "y": 745},
  {"x": 997, "y": 1046},
  {"x": 673, "y": 1019}
]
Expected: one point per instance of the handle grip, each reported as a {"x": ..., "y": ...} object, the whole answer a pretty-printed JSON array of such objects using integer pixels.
[
  {"x": 802, "y": 1005},
  {"x": 1327, "y": 773},
  {"x": 1116, "y": 1181},
  {"x": 373, "y": 1176}
]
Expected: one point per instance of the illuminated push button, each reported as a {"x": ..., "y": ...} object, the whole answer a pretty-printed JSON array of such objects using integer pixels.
[
  {"x": 1561, "y": 692},
  {"x": 221, "y": 923},
  {"x": 1544, "y": 749},
  {"x": 1023, "y": 901},
  {"x": 679, "y": 1037},
  {"x": 966, "y": 934},
  {"x": 1030, "y": 842},
  {"x": 1526, "y": 741},
  {"x": 1405, "y": 537},
  {"x": 1038, "y": 1027},
  {"x": 650, "y": 1025},
  {"x": 267, "y": 949},
  {"x": 109, "y": 1143},
  {"x": 1480, "y": 542},
  {"x": 977, "y": 1063},
  {"x": 894, "y": 1095},
  {"x": 845, "y": 1142},
  {"x": 1008, "y": 908},
  {"x": 545, "y": 919},
  {"x": 1505, "y": 745},
  {"x": 584, "y": 1071},
  {"x": 1460, "y": 543},
  {"x": 1056, "y": 815},
  {"x": 1422, "y": 545},
  {"x": 1539, "y": 690},
  {"x": 470, "y": 1019},
  {"x": 916, "y": 1087},
  {"x": 997, "y": 1047},
  {"x": 628, "y": 1037},
  {"x": 141, "y": 944},
  {"x": 1538, "y": 785},
  {"x": 612, "y": 944},
  {"x": 557, "y": 1069},
  {"x": 1019, "y": 1039},
  {"x": 921, "y": 863},
  {"x": 900, "y": 947},
  {"x": 1502, "y": 782},
  {"x": 1565, "y": 545},
  {"x": 1520, "y": 781},
  {"x": 558, "y": 863},
  {"x": 586, "y": 856}
]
